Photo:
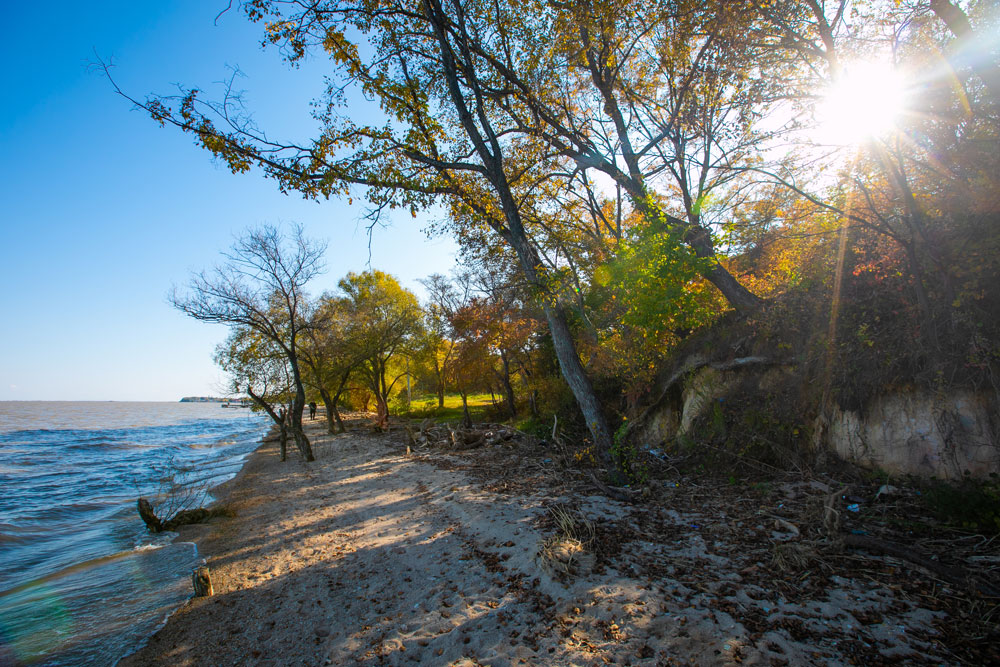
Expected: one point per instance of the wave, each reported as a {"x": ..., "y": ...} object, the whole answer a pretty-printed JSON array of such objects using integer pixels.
[
  {"x": 75, "y": 568},
  {"x": 68, "y": 525}
]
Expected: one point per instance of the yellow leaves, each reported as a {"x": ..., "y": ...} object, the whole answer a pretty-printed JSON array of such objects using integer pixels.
[
  {"x": 341, "y": 49},
  {"x": 602, "y": 275}
]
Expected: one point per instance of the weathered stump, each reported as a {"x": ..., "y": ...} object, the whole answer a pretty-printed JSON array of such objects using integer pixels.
[{"x": 201, "y": 578}]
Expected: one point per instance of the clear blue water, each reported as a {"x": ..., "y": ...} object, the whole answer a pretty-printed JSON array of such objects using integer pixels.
[{"x": 81, "y": 581}]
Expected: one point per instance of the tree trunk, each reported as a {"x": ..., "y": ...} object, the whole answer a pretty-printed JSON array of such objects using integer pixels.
[
  {"x": 381, "y": 392},
  {"x": 153, "y": 523},
  {"x": 336, "y": 415},
  {"x": 439, "y": 376},
  {"x": 301, "y": 441},
  {"x": 976, "y": 55},
  {"x": 279, "y": 418},
  {"x": 336, "y": 399},
  {"x": 562, "y": 340},
  {"x": 507, "y": 388},
  {"x": 331, "y": 409},
  {"x": 201, "y": 579},
  {"x": 488, "y": 148},
  {"x": 579, "y": 383},
  {"x": 467, "y": 418},
  {"x": 283, "y": 435},
  {"x": 381, "y": 411},
  {"x": 738, "y": 296}
]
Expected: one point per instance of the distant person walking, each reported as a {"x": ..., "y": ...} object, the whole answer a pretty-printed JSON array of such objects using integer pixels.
[{"x": 312, "y": 410}]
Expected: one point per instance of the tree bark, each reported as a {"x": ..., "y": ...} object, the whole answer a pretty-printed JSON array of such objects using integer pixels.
[
  {"x": 279, "y": 419},
  {"x": 336, "y": 399},
  {"x": 330, "y": 408},
  {"x": 283, "y": 435},
  {"x": 201, "y": 579},
  {"x": 439, "y": 376},
  {"x": 467, "y": 418},
  {"x": 153, "y": 523},
  {"x": 301, "y": 441},
  {"x": 579, "y": 383}
]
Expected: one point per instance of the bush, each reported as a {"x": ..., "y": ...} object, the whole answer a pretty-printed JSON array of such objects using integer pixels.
[{"x": 970, "y": 504}]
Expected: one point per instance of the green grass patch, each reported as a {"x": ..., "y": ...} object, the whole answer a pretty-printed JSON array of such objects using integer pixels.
[{"x": 423, "y": 407}]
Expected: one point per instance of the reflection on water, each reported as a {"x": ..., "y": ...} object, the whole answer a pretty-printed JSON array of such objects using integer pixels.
[
  {"x": 97, "y": 611},
  {"x": 82, "y": 582}
]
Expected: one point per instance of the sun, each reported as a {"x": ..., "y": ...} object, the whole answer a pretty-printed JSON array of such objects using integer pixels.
[{"x": 866, "y": 102}]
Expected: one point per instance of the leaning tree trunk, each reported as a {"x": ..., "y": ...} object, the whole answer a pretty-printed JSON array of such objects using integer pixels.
[
  {"x": 562, "y": 338},
  {"x": 280, "y": 420},
  {"x": 302, "y": 442},
  {"x": 579, "y": 383},
  {"x": 739, "y": 297},
  {"x": 332, "y": 413},
  {"x": 488, "y": 148}
]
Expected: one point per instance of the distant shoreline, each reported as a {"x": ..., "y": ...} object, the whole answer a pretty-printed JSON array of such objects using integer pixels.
[{"x": 186, "y": 399}]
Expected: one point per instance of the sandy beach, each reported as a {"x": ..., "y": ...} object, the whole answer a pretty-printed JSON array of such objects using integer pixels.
[{"x": 371, "y": 555}]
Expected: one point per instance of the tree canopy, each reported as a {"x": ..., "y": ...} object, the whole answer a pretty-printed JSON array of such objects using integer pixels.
[{"x": 636, "y": 170}]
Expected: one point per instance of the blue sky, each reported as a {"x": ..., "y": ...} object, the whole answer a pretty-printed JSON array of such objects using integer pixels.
[{"x": 103, "y": 211}]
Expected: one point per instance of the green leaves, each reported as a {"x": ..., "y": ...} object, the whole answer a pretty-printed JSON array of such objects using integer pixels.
[{"x": 657, "y": 280}]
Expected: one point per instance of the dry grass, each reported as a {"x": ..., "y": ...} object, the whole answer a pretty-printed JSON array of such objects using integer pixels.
[{"x": 567, "y": 551}]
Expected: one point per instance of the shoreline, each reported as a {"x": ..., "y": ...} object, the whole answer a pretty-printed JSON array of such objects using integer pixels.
[
  {"x": 85, "y": 581},
  {"x": 371, "y": 555},
  {"x": 196, "y": 534}
]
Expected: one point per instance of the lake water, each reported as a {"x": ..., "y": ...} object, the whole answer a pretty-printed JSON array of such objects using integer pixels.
[{"x": 81, "y": 581}]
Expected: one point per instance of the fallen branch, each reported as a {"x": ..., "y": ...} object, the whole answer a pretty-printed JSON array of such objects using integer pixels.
[
  {"x": 952, "y": 575},
  {"x": 183, "y": 518},
  {"x": 617, "y": 492}
]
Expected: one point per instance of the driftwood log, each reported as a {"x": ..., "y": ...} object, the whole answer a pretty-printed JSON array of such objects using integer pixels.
[
  {"x": 183, "y": 518},
  {"x": 153, "y": 523}
]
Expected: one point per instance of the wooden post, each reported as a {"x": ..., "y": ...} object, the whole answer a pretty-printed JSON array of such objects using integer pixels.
[{"x": 201, "y": 578}]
